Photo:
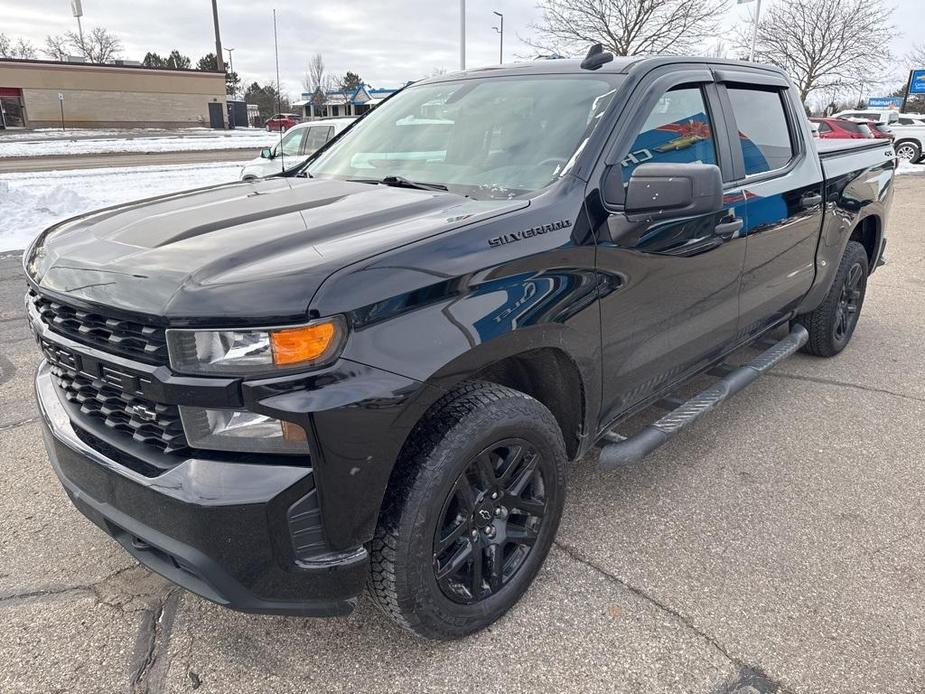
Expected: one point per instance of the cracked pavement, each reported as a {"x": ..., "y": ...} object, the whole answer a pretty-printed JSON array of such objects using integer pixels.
[{"x": 776, "y": 546}]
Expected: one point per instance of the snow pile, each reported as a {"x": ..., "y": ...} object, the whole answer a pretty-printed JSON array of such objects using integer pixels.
[
  {"x": 907, "y": 168},
  {"x": 30, "y": 202},
  {"x": 23, "y": 213}
]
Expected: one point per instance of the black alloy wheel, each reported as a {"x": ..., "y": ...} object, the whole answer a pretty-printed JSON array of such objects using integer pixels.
[
  {"x": 831, "y": 324},
  {"x": 471, "y": 511},
  {"x": 847, "y": 311},
  {"x": 489, "y": 522}
]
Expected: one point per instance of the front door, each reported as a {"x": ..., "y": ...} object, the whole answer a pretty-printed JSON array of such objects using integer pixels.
[{"x": 670, "y": 287}]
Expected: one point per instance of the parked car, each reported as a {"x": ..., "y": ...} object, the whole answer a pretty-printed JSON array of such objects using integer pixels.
[
  {"x": 887, "y": 117},
  {"x": 881, "y": 131},
  {"x": 841, "y": 129},
  {"x": 909, "y": 141},
  {"x": 299, "y": 143},
  {"x": 374, "y": 370},
  {"x": 911, "y": 119},
  {"x": 281, "y": 122}
]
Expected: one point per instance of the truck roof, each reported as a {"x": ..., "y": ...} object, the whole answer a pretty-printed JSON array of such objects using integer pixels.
[{"x": 619, "y": 65}]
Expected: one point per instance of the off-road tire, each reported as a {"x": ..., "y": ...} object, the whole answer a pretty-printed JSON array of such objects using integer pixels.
[
  {"x": 464, "y": 422},
  {"x": 821, "y": 323}
]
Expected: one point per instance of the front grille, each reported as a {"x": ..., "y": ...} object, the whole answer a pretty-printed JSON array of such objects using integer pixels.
[
  {"x": 145, "y": 343},
  {"x": 151, "y": 423}
]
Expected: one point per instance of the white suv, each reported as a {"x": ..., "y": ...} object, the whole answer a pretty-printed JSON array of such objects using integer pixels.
[
  {"x": 297, "y": 145},
  {"x": 888, "y": 117}
]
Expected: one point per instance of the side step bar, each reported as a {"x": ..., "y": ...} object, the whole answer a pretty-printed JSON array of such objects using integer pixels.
[{"x": 624, "y": 451}]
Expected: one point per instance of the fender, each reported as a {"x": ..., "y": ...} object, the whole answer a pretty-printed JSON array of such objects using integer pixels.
[{"x": 846, "y": 212}]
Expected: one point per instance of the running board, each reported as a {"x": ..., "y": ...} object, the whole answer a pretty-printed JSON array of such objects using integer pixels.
[{"x": 624, "y": 451}]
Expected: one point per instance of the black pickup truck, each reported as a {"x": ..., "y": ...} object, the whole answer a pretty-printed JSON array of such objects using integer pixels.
[{"x": 373, "y": 370}]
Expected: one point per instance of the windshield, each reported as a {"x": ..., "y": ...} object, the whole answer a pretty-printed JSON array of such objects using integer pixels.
[{"x": 488, "y": 138}]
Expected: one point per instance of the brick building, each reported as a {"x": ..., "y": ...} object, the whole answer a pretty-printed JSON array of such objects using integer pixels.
[{"x": 32, "y": 93}]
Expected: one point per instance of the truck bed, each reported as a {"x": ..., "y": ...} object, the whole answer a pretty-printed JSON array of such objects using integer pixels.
[{"x": 840, "y": 157}]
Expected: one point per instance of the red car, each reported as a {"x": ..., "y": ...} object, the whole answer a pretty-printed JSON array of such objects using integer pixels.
[
  {"x": 283, "y": 121},
  {"x": 881, "y": 131},
  {"x": 841, "y": 129}
]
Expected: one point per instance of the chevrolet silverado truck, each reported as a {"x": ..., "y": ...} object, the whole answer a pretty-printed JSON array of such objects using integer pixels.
[{"x": 372, "y": 372}]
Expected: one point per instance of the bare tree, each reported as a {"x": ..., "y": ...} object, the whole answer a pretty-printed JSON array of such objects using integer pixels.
[
  {"x": 99, "y": 46},
  {"x": 22, "y": 49},
  {"x": 826, "y": 45},
  {"x": 626, "y": 27},
  {"x": 57, "y": 47},
  {"x": 96, "y": 46},
  {"x": 916, "y": 57},
  {"x": 314, "y": 75}
]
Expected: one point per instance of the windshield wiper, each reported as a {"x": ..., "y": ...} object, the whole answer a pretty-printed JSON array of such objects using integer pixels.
[{"x": 400, "y": 182}]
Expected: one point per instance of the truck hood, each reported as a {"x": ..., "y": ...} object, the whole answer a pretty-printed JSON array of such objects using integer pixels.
[{"x": 240, "y": 252}]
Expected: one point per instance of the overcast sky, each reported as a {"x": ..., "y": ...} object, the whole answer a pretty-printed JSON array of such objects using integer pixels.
[{"x": 387, "y": 42}]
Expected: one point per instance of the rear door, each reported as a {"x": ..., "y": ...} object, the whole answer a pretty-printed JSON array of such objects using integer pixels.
[
  {"x": 782, "y": 181},
  {"x": 669, "y": 300}
]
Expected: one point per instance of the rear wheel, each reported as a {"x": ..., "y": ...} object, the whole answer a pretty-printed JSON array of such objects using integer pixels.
[
  {"x": 471, "y": 512},
  {"x": 908, "y": 151},
  {"x": 832, "y": 324}
]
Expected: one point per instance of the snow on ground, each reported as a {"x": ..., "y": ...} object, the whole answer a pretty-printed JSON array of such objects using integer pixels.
[
  {"x": 30, "y": 202},
  {"x": 38, "y": 143},
  {"x": 907, "y": 168}
]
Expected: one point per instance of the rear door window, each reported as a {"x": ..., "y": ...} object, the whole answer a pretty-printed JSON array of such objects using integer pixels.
[
  {"x": 316, "y": 138},
  {"x": 764, "y": 133},
  {"x": 678, "y": 130}
]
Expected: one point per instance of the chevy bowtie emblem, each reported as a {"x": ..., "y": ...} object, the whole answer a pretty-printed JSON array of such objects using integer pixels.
[
  {"x": 143, "y": 412},
  {"x": 484, "y": 515}
]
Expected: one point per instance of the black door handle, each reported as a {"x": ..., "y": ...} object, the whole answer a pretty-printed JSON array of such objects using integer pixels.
[
  {"x": 811, "y": 200},
  {"x": 727, "y": 230}
]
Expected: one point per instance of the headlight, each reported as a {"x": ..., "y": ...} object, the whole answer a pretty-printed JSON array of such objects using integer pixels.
[
  {"x": 244, "y": 352},
  {"x": 241, "y": 431}
]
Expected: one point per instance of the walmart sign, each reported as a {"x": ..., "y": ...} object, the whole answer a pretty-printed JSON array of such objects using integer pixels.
[{"x": 884, "y": 102}]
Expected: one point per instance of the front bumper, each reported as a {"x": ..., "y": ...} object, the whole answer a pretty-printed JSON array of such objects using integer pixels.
[{"x": 221, "y": 530}]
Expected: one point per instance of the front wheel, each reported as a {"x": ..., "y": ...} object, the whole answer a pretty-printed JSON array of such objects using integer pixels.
[
  {"x": 833, "y": 322},
  {"x": 908, "y": 151},
  {"x": 471, "y": 512}
]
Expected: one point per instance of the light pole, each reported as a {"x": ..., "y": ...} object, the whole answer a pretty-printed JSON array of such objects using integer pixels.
[
  {"x": 234, "y": 90},
  {"x": 77, "y": 10},
  {"x": 751, "y": 53},
  {"x": 501, "y": 32},
  {"x": 219, "y": 58},
  {"x": 462, "y": 34}
]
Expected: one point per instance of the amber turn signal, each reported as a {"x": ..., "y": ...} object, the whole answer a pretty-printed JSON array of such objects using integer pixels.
[{"x": 308, "y": 343}]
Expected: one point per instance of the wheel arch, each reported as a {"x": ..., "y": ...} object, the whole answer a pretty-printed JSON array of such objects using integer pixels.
[
  {"x": 550, "y": 376},
  {"x": 868, "y": 231}
]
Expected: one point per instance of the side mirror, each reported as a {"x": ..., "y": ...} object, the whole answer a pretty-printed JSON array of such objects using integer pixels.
[
  {"x": 266, "y": 153},
  {"x": 662, "y": 191}
]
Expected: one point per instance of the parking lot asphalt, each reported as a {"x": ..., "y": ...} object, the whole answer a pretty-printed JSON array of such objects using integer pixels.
[{"x": 778, "y": 545}]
